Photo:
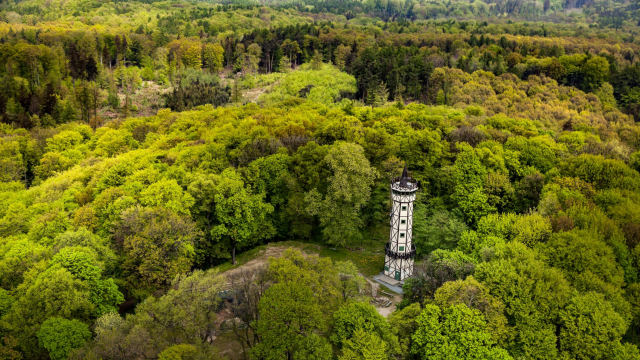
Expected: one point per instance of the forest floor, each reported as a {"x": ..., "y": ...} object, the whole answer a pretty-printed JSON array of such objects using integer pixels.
[{"x": 367, "y": 255}]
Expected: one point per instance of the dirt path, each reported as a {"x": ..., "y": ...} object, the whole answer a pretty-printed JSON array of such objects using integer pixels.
[{"x": 260, "y": 260}]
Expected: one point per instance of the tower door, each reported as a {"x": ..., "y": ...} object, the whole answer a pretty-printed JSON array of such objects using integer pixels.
[{"x": 398, "y": 275}]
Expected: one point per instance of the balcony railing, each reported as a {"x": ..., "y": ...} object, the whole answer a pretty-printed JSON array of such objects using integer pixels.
[
  {"x": 400, "y": 255},
  {"x": 406, "y": 184}
]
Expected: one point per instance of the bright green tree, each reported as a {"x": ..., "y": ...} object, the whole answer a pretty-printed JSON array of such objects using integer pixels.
[
  {"x": 104, "y": 292},
  {"x": 364, "y": 345},
  {"x": 212, "y": 57},
  {"x": 240, "y": 215},
  {"x": 362, "y": 316},
  {"x": 454, "y": 332},
  {"x": 59, "y": 336},
  {"x": 167, "y": 193}
]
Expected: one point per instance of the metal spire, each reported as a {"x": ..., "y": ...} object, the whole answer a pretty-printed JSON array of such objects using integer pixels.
[{"x": 405, "y": 177}]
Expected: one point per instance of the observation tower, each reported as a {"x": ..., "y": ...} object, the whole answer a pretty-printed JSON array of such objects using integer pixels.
[{"x": 399, "y": 251}]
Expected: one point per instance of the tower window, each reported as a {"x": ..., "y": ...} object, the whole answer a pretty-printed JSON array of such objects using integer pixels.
[
  {"x": 404, "y": 208},
  {"x": 401, "y": 248},
  {"x": 403, "y": 221},
  {"x": 402, "y": 235}
]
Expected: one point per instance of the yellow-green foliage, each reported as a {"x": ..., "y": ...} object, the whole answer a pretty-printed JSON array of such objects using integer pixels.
[{"x": 326, "y": 86}]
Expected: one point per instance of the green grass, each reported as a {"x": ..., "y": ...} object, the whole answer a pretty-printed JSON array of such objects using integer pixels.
[{"x": 369, "y": 258}]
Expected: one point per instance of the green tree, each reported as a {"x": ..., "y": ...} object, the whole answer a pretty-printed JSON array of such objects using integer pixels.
[
  {"x": 212, "y": 57},
  {"x": 289, "y": 313},
  {"x": 596, "y": 72},
  {"x": 533, "y": 294},
  {"x": 348, "y": 191},
  {"x": 403, "y": 324},
  {"x": 591, "y": 329},
  {"x": 187, "y": 312},
  {"x": 341, "y": 55},
  {"x": 355, "y": 316},
  {"x": 454, "y": 332},
  {"x": 191, "y": 55},
  {"x": 316, "y": 60},
  {"x": 158, "y": 244},
  {"x": 351, "y": 283},
  {"x": 167, "y": 193},
  {"x": 54, "y": 293},
  {"x": 240, "y": 215},
  {"x": 59, "y": 336},
  {"x": 104, "y": 293},
  {"x": 441, "y": 230},
  {"x": 364, "y": 345},
  {"x": 476, "y": 296}
]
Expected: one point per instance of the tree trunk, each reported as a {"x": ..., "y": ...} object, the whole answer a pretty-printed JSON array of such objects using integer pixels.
[{"x": 233, "y": 253}]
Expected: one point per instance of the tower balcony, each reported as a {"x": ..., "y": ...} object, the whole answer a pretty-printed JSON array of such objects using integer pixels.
[
  {"x": 400, "y": 255},
  {"x": 404, "y": 184}
]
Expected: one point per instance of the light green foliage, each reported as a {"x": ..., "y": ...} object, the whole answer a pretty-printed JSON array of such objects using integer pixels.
[
  {"x": 110, "y": 142},
  {"x": 469, "y": 175},
  {"x": 351, "y": 283},
  {"x": 580, "y": 251},
  {"x": 47, "y": 226},
  {"x": 541, "y": 152},
  {"x": 178, "y": 352},
  {"x": 64, "y": 140},
  {"x": 325, "y": 86},
  {"x": 590, "y": 265},
  {"x": 531, "y": 229},
  {"x": 364, "y": 346},
  {"x": 84, "y": 238},
  {"x": 18, "y": 255},
  {"x": 355, "y": 316},
  {"x": 605, "y": 94},
  {"x": 104, "y": 293},
  {"x": 319, "y": 274},
  {"x": 422, "y": 149},
  {"x": 596, "y": 72},
  {"x": 212, "y": 56},
  {"x": 314, "y": 347},
  {"x": 167, "y": 193},
  {"x": 454, "y": 332},
  {"x": 59, "y": 336},
  {"x": 476, "y": 296},
  {"x": 533, "y": 294}
]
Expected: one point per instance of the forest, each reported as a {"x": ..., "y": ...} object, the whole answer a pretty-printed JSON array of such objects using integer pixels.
[{"x": 150, "y": 151}]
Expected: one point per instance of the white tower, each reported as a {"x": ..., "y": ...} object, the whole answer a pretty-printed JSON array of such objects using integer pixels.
[{"x": 399, "y": 252}]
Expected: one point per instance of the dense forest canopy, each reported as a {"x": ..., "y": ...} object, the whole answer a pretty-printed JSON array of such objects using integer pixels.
[{"x": 148, "y": 147}]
